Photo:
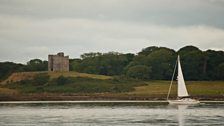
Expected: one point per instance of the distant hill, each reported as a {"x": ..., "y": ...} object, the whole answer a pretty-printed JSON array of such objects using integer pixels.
[{"x": 18, "y": 76}]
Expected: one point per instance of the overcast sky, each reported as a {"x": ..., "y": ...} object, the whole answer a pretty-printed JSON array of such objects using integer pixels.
[{"x": 35, "y": 28}]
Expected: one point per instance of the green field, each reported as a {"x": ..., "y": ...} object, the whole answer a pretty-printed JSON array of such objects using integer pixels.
[{"x": 195, "y": 88}]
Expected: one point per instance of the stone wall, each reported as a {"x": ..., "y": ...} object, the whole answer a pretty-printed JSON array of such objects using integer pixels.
[{"x": 58, "y": 62}]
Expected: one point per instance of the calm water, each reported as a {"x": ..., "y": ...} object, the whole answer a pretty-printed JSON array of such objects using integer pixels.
[{"x": 110, "y": 114}]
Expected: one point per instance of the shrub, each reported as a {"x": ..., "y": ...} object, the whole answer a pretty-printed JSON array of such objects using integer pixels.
[
  {"x": 40, "y": 79},
  {"x": 61, "y": 80}
]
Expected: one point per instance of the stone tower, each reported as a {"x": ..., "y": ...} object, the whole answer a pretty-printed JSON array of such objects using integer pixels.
[{"x": 58, "y": 62}]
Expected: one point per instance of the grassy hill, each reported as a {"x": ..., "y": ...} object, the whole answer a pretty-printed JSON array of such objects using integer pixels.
[
  {"x": 79, "y": 84},
  {"x": 18, "y": 76},
  {"x": 66, "y": 83}
]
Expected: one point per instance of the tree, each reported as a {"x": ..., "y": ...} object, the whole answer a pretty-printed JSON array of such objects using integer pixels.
[
  {"x": 148, "y": 50},
  {"x": 213, "y": 60},
  {"x": 220, "y": 71},
  {"x": 7, "y": 68},
  {"x": 112, "y": 63},
  {"x": 162, "y": 62},
  {"x": 192, "y": 61},
  {"x": 90, "y": 55},
  {"x": 141, "y": 72},
  {"x": 73, "y": 64},
  {"x": 36, "y": 65},
  {"x": 189, "y": 48}
]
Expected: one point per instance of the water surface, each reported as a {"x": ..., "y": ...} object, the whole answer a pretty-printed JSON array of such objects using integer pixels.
[{"x": 110, "y": 114}]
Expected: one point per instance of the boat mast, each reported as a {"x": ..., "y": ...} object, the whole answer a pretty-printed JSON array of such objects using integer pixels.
[{"x": 172, "y": 79}]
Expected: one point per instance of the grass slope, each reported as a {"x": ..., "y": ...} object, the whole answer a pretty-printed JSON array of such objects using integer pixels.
[{"x": 15, "y": 77}]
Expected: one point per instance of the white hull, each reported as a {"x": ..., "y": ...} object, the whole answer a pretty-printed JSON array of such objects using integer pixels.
[{"x": 185, "y": 101}]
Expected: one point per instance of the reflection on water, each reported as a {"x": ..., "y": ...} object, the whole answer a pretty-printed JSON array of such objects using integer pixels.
[
  {"x": 203, "y": 114},
  {"x": 110, "y": 114},
  {"x": 180, "y": 115}
]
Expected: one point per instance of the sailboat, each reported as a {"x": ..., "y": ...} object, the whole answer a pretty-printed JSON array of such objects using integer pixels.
[{"x": 182, "y": 93}]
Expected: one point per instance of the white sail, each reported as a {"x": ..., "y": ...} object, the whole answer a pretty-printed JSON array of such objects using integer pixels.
[{"x": 182, "y": 90}]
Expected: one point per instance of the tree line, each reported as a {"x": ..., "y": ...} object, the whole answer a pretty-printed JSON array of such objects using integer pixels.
[{"x": 151, "y": 63}]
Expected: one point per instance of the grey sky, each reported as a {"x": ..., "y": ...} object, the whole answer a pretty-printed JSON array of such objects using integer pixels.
[{"x": 35, "y": 28}]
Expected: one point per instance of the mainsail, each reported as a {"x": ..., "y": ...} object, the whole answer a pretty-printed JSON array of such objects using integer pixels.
[{"x": 182, "y": 90}]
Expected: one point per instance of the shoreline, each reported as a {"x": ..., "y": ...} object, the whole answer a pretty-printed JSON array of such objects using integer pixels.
[
  {"x": 59, "y": 97},
  {"x": 80, "y": 102}
]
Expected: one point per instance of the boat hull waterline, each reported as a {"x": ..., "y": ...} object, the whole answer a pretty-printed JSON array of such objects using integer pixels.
[{"x": 184, "y": 101}]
